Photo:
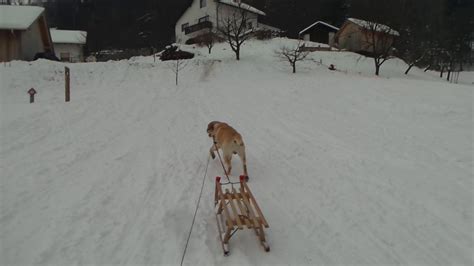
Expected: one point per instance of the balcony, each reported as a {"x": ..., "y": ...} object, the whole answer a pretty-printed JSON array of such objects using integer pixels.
[{"x": 198, "y": 27}]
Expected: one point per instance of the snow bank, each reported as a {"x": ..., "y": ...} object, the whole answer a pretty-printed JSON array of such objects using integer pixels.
[{"x": 348, "y": 168}]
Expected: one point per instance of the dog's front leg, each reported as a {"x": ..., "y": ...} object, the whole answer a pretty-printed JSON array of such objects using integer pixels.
[
  {"x": 227, "y": 160},
  {"x": 211, "y": 151}
]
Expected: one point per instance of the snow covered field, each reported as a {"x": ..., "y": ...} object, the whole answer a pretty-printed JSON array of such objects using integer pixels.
[{"x": 349, "y": 168}]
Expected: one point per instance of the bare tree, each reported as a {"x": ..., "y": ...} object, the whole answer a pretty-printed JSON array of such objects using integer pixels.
[
  {"x": 415, "y": 40},
  {"x": 379, "y": 39},
  {"x": 144, "y": 26},
  {"x": 208, "y": 39},
  {"x": 413, "y": 57},
  {"x": 176, "y": 66},
  {"x": 235, "y": 29},
  {"x": 413, "y": 47},
  {"x": 293, "y": 54}
]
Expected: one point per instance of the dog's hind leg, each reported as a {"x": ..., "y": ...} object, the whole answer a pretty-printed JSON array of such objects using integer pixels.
[{"x": 244, "y": 164}]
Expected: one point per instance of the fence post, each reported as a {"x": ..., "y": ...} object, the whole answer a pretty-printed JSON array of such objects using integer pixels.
[{"x": 67, "y": 78}]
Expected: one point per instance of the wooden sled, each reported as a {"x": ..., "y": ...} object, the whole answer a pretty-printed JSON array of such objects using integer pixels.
[{"x": 236, "y": 210}]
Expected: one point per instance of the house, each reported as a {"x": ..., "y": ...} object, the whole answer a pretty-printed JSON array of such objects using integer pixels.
[
  {"x": 358, "y": 35},
  {"x": 69, "y": 44},
  {"x": 24, "y": 33},
  {"x": 320, "y": 32},
  {"x": 204, "y": 15}
]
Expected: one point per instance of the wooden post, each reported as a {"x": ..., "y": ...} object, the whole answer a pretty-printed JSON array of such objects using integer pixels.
[
  {"x": 67, "y": 78},
  {"x": 32, "y": 93}
]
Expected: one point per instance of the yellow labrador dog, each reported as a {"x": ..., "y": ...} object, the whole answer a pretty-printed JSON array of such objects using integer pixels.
[{"x": 229, "y": 141}]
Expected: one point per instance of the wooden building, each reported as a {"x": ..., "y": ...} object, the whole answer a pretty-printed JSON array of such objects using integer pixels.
[
  {"x": 23, "y": 33},
  {"x": 359, "y": 36}
]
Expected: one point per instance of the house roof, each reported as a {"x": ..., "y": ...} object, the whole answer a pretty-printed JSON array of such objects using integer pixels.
[
  {"x": 68, "y": 36},
  {"x": 262, "y": 26},
  {"x": 379, "y": 28},
  {"x": 317, "y": 23},
  {"x": 18, "y": 17},
  {"x": 243, "y": 6}
]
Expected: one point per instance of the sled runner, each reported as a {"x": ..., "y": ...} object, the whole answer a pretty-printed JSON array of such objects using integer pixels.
[{"x": 236, "y": 210}]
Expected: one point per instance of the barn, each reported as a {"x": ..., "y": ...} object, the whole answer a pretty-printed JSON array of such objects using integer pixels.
[{"x": 363, "y": 36}]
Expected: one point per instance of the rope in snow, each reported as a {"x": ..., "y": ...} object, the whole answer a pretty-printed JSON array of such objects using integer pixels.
[
  {"x": 195, "y": 212},
  {"x": 200, "y": 196}
]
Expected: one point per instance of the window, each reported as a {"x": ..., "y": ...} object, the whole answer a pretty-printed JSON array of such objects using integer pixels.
[
  {"x": 65, "y": 57},
  {"x": 202, "y": 3},
  {"x": 184, "y": 26},
  {"x": 249, "y": 25},
  {"x": 203, "y": 19}
]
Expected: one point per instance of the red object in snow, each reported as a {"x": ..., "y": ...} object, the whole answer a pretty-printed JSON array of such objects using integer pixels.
[{"x": 32, "y": 93}]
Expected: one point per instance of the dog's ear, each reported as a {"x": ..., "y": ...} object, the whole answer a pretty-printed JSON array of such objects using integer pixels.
[
  {"x": 210, "y": 128},
  {"x": 211, "y": 125}
]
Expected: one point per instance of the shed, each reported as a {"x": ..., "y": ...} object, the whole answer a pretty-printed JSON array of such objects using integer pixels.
[
  {"x": 69, "y": 44},
  {"x": 320, "y": 32},
  {"x": 356, "y": 35},
  {"x": 23, "y": 33}
]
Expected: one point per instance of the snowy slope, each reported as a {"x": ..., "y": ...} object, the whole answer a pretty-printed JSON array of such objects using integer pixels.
[{"x": 347, "y": 167}]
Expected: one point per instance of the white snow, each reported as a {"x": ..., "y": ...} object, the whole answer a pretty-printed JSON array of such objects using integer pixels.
[
  {"x": 18, "y": 17},
  {"x": 243, "y": 6},
  {"x": 68, "y": 36},
  {"x": 348, "y": 168},
  {"x": 377, "y": 26}
]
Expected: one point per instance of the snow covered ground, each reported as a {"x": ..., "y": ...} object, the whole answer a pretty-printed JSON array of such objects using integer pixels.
[{"x": 349, "y": 168}]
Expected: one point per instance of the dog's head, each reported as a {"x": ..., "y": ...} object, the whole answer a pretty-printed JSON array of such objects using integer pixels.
[{"x": 210, "y": 128}]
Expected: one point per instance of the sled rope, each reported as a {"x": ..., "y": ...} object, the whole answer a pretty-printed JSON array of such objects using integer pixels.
[{"x": 195, "y": 212}]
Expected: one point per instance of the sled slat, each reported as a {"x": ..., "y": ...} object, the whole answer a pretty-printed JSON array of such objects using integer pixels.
[
  {"x": 251, "y": 214},
  {"x": 242, "y": 208},
  {"x": 228, "y": 220},
  {"x": 259, "y": 211},
  {"x": 234, "y": 209}
]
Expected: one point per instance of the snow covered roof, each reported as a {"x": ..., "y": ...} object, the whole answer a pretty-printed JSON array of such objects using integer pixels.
[
  {"x": 68, "y": 36},
  {"x": 18, "y": 17},
  {"x": 319, "y": 22},
  {"x": 380, "y": 27},
  {"x": 262, "y": 26},
  {"x": 243, "y": 6}
]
